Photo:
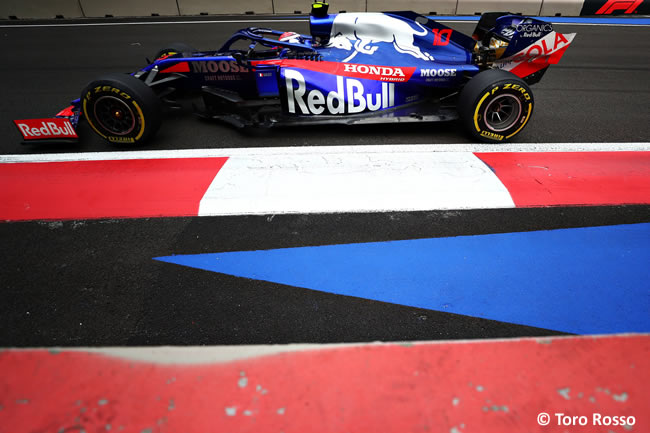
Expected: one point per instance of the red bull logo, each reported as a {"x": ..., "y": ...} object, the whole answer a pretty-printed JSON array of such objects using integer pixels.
[
  {"x": 361, "y": 31},
  {"x": 35, "y": 129},
  {"x": 349, "y": 97}
]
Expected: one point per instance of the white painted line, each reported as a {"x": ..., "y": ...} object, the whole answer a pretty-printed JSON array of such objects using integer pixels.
[
  {"x": 192, "y": 355},
  {"x": 189, "y": 355},
  {"x": 317, "y": 150},
  {"x": 297, "y": 20},
  {"x": 152, "y": 23},
  {"x": 353, "y": 182}
]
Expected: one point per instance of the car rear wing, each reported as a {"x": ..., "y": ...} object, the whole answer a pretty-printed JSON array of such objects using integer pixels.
[{"x": 522, "y": 45}]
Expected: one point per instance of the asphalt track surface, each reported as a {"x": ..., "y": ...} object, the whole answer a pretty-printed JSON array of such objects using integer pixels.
[
  {"x": 598, "y": 93},
  {"x": 94, "y": 283}
]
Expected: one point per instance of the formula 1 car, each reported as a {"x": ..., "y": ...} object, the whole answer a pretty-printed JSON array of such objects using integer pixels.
[{"x": 354, "y": 68}]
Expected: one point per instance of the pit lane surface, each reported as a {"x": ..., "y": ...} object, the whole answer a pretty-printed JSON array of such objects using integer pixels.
[
  {"x": 598, "y": 93},
  {"x": 95, "y": 283}
]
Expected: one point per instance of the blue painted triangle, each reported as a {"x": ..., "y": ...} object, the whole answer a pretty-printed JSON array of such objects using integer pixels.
[{"x": 586, "y": 281}]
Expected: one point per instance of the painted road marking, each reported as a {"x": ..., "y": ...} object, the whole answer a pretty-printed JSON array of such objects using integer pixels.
[
  {"x": 105, "y": 189},
  {"x": 149, "y": 23},
  {"x": 354, "y": 183},
  {"x": 591, "y": 280},
  {"x": 317, "y": 150},
  {"x": 486, "y": 386},
  {"x": 605, "y": 21},
  {"x": 317, "y": 180},
  {"x": 544, "y": 179}
]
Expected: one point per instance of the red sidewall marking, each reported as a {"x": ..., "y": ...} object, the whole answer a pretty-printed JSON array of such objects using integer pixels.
[
  {"x": 105, "y": 189},
  {"x": 489, "y": 387},
  {"x": 573, "y": 178}
]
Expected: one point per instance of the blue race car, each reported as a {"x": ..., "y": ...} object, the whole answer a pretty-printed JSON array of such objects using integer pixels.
[{"x": 353, "y": 68}]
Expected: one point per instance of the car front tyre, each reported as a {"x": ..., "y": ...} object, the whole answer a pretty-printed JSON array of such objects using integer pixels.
[{"x": 121, "y": 109}]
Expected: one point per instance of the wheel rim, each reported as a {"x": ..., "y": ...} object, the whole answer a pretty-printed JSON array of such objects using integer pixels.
[
  {"x": 502, "y": 113},
  {"x": 114, "y": 115}
]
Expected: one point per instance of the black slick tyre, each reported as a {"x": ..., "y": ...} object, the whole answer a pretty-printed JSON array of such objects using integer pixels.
[
  {"x": 495, "y": 106},
  {"x": 174, "y": 49},
  {"x": 121, "y": 109}
]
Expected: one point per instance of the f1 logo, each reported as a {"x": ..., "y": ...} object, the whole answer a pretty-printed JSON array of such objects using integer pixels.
[
  {"x": 439, "y": 36},
  {"x": 628, "y": 6}
]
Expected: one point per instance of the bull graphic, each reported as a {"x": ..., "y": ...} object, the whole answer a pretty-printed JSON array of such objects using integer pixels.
[{"x": 361, "y": 30}]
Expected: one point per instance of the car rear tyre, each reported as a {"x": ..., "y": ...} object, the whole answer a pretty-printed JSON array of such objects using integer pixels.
[
  {"x": 121, "y": 109},
  {"x": 495, "y": 106}
]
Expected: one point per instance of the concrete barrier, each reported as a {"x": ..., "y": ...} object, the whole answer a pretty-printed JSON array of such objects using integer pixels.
[
  {"x": 552, "y": 8},
  {"x": 425, "y": 7},
  {"x": 40, "y": 9},
  {"x": 196, "y": 7},
  {"x": 128, "y": 8},
  {"x": 526, "y": 7},
  {"x": 304, "y": 6},
  {"x": 26, "y": 9}
]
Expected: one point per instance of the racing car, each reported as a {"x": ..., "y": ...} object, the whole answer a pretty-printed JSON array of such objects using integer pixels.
[{"x": 353, "y": 68}]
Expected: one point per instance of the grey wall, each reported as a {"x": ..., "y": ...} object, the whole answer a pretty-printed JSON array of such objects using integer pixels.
[{"x": 25, "y": 9}]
